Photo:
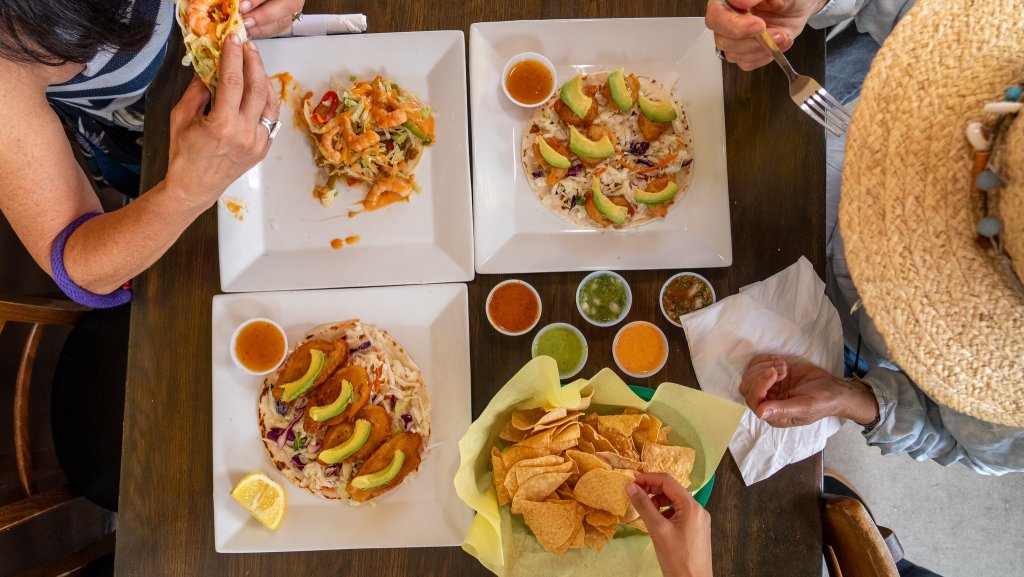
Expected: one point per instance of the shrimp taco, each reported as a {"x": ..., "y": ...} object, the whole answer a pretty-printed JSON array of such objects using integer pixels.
[
  {"x": 372, "y": 132},
  {"x": 206, "y": 25},
  {"x": 347, "y": 416},
  {"x": 610, "y": 150}
]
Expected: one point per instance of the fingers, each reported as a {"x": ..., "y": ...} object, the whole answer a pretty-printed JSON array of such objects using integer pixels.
[
  {"x": 193, "y": 102},
  {"x": 271, "y": 17},
  {"x": 644, "y": 506},
  {"x": 257, "y": 86},
  {"x": 761, "y": 375},
  {"x": 660, "y": 483},
  {"x": 248, "y": 5},
  {"x": 732, "y": 23},
  {"x": 231, "y": 80}
]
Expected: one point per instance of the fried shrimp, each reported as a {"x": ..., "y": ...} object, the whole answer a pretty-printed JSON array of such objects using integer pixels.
[
  {"x": 658, "y": 185},
  {"x": 651, "y": 129},
  {"x": 569, "y": 117},
  {"x": 596, "y": 215},
  {"x": 632, "y": 83},
  {"x": 407, "y": 443},
  {"x": 553, "y": 174},
  {"x": 298, "y": 363},
  {"x": 596, "y": 132},
  {"x": 389, "y": 185}
]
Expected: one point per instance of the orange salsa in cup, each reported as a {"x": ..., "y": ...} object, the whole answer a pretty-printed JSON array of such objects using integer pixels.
[{"x": 639, "y": 349}]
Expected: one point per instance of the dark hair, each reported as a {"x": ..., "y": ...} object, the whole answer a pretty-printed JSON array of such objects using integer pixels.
[{"x": 55, "y": 32}]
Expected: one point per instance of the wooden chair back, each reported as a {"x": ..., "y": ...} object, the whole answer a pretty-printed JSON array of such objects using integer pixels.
[
  {"x": 39, "y": 314},
  {"x": 853, "y": 545}
]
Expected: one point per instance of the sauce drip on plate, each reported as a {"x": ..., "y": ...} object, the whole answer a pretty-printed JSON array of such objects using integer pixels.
[
  {"x": 529, "y": 81},
  {"x": 260, "y": 346},
  {"x": 513, "y": 307}
]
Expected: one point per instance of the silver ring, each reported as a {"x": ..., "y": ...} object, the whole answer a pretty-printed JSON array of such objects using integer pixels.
[
  {"x": 719, "y": 53},
  {"x": 272, "y": 126},
  {"x": 297, "y": 17}
]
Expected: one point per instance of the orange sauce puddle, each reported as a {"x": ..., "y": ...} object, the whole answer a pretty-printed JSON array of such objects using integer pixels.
[{"x": 235, "y": 207}]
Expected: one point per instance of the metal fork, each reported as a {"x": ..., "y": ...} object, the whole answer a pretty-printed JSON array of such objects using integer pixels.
[{"x": 808, "y": 94}]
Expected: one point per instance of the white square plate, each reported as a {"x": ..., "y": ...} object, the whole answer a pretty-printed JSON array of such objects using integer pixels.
[
  {"x": 432, "y": 323},
  {"x": 514, "y": 232},
  {"x": 283, "y": 240}
]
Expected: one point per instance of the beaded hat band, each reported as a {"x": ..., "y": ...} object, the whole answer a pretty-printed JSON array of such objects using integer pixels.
[{"x": 950, "y": 316}]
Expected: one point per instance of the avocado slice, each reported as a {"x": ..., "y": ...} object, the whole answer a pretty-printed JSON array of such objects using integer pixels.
[
  {"x": 657, "y": 110},
  {"x": 382, "y": 477},
  {"x": 583, "y": 146},
  {"x": 551, "y": 155},
  {"x": 335, "y": 407},
  {"x": 644, "y": 197},
  {"x": 572, "y": 95},
  {"x": 609, "y": 209},
  {"x": 360, "y": 433},
  {"x": 415, "y": 130},
  {"x": 621, "y": 95},
  {"x": 292, "y": 390}
]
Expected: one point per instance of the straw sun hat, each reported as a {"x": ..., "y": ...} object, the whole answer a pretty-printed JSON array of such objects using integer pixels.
[{"x": 950, "y": 313}]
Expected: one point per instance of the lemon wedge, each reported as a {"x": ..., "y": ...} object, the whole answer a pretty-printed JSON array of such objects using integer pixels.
[{"x": 261, "y": 496}]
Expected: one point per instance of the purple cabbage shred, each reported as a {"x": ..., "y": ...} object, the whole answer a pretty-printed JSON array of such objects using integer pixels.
[
  {"x": 298, "y": 462},
  {"x": 645, "y": 162},
  {"x": 538, "y": 174},
  {"x": 280, "y": 408},
  {"x": 274, "y": 433},
  {"x": 361, "y": 347},
  {"x": 639, "y": 148},
  {"x": 572, "y": 204},
  {"x": 290, "y": 437},
  {"x": 686, "y": 162},
  {"x": 575, "y": 169},
  {"x": 408, "y": 420}
]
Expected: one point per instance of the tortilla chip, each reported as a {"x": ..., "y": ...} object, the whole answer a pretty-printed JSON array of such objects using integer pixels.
[
  {"x": 525, "y": 473},
  {"x": 647, "y": 432},
  {"x": 622, "y": 425},
  {"x": 569, "y": 418},
  {"x": 617, "y": 461},
  {"x": 589, "y": 433},
  {"x": 516, "y": 453},
  {"x": 541, "y": 440},
  {"x": 603, "y": 489},
  {"x": 595, "y": 538},
  {"x": 676, "y": 461},
  {"x": 638, "y": 523},
  {"x": 586, "y": 461},
  {"x": 663, "y": 435},
  {"x": 623, "y": 445},
  {"x": 536, "y": 489},
  {"x": 500, "y": 471},
  {"x": 552, "y": 523},
  {"x": 510, "y": 433},
  {"x": 576, "y": 541},
  {"x": 602, "y": 518}
]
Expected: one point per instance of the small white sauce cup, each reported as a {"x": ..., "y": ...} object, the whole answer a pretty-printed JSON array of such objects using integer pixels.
[
  {"x": 529, "y": 56},
  {"x": 661, "y": 295},
  {"x": 615, "y": 354},
  {"x": 586, "y": 348},
  {"x": 490, "y": 295},
  {"x": 625, "y": 309},
  {"x": 234, "y": 342}
]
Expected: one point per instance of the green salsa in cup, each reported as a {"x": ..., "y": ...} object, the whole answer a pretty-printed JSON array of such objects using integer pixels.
[
  {"x": 603, "y": 298},
  {"x": 564, "y": 343}
]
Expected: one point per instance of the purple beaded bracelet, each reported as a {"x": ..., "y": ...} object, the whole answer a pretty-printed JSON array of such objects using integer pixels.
[{"x": 68, "y": 286}]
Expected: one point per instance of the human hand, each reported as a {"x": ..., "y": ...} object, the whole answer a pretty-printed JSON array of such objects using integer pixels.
[
  {"x": 788, "y": 395},
  {"x": 266, "y": 18},
  {"x": 210, "y": 151},
  {"x": 735, "y": 29},
  {"x": 681, "y": 534}
]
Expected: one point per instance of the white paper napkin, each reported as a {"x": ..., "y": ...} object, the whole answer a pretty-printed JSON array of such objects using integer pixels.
[
  {"x": 324, "y": 24},
  {"x": 787, "y": 314}
]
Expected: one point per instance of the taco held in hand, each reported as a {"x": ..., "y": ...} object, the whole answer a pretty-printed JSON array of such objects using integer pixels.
[
  {"x": 347, "y": 416},
  {"x": 206, "y": 25}
]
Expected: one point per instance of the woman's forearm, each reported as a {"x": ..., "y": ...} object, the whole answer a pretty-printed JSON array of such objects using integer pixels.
[{"x": 108, "y": 250}]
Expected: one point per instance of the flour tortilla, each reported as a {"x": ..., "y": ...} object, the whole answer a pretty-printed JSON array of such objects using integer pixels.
[
  {"x": 330, "y": 482},
  {"x": 609, "y": 115}
]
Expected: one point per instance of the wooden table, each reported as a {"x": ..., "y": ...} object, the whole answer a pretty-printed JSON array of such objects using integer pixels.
[{"x": 776, "y": 193}]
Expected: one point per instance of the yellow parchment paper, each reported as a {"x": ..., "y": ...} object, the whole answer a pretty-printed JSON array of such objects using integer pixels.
[{"x": 503, "y": 543}]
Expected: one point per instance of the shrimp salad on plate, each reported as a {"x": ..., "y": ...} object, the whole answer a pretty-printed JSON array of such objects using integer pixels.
[
  {"x": 609, "y": 150},
  {"x": 206, "y": 25},
  {"x": 371, "y": 132}
]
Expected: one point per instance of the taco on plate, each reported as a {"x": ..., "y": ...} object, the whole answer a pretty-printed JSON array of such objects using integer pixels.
[
  {"x": 206, "y": 25},
  {"x": 347, "y": 416},
  {"x": 609, "y": 150}
]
